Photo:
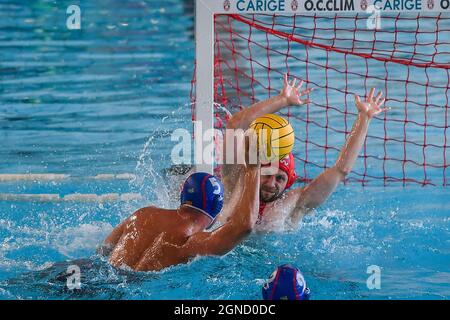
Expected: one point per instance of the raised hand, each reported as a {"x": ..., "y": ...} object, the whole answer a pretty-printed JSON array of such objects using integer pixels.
[
  {"x": 292, "y": 93},
  {"x": 372, "y": 106}
]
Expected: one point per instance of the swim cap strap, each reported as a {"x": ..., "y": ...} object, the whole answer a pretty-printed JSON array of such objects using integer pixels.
[{"x": 198, "y": 209}]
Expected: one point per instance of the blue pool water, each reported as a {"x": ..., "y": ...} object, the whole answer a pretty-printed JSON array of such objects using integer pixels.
[{"x": 105, "y": 99}]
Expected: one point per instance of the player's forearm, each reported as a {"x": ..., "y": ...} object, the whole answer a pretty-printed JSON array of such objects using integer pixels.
[
  {"x": 246, "y": 212},
  {"x": 353, "y": 145},
  {"x": 227, "y": 240},
  {"x": 244, "y": 118}
]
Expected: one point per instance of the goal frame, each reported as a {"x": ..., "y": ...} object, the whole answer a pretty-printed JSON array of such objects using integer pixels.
[{"x": 205, "y": 10}]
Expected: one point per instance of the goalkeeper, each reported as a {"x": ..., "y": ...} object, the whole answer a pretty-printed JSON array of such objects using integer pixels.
[{"x": 279, "y": 206}]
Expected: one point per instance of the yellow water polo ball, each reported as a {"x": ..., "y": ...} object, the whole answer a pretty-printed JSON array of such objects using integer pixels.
[{"x": 276, "y": 133}]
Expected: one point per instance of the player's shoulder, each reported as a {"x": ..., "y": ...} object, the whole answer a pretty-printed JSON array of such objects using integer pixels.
[
  {"x": 152, "y": 210},
  {"x": 145, "y": 214}
]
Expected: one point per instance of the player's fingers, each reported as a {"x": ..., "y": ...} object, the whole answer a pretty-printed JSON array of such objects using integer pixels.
[
  {"x": 304, "y": 92},
  {"x": 300, "y": 85},
  {"x": 378, "y": 96},
  {"x": 370, "y": 96},
  {"x": 381, "y": 102},
  {"x": 306, "y": 101},
  {"x": 294, "y": 82}
]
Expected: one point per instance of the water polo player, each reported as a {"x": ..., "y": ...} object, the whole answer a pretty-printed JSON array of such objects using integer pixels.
[
  {"x": 278, "y": 206},
  {"x": 286, "y": 283},
  {"x": 154, "y": 238}
]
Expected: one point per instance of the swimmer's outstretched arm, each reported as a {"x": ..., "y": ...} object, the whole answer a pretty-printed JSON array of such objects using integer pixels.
[
  {"x": 290, "y": 95},
  {"x": 303, "y": 200},
  {"x": 241, "y": 223}
]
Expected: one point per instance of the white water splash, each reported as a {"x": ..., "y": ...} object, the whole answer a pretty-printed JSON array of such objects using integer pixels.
[
  {"x": 86, "y": 237},
  {"x": 147, "y": 179}
]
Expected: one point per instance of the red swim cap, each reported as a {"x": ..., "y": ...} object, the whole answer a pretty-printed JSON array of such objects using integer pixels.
[{"x": 287, "y": 164}]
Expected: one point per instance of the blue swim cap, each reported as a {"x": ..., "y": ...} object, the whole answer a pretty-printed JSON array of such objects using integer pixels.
[
  {"x": 286, "y": 283},
  {"x": 203, "y": 192}
]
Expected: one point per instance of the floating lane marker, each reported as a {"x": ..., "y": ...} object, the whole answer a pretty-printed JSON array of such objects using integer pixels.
[
  {"x": 74, "y": 197},
  {"x": 41, "y": 177},
  {"x": 33, "y": 177},
  {"x": 122, "y": 176}
]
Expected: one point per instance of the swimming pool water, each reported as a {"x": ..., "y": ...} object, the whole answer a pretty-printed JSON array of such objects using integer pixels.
[
  {"x": 333, "y": 247},
  {"x": 105, "y": 99}
]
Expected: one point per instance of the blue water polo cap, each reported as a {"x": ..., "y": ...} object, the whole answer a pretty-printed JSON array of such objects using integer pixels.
[
  {"x": 203, "y": 192},
  {"x": 286, "y": 283}
]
